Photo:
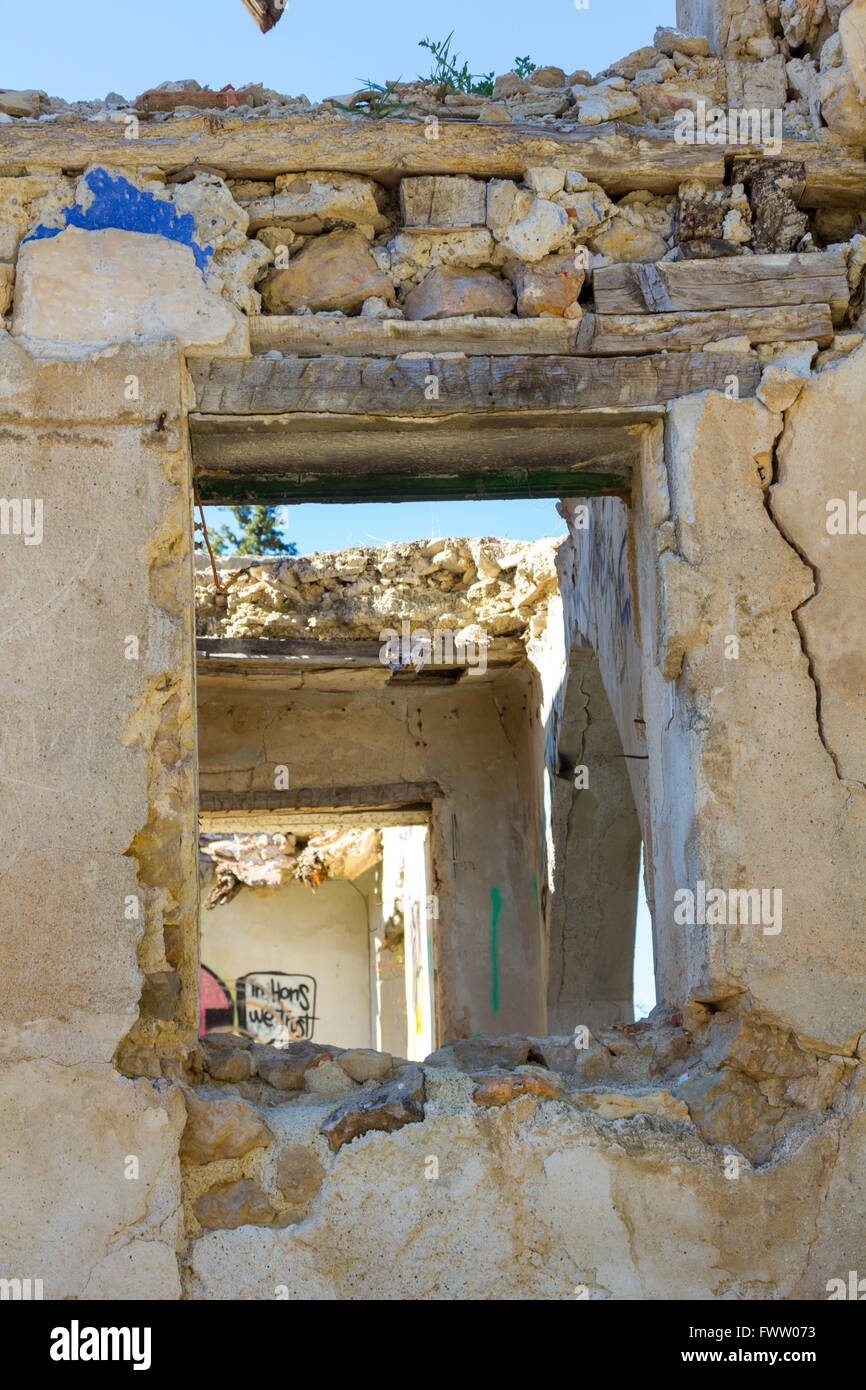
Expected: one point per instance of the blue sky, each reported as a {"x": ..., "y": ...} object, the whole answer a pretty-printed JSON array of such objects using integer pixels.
[
  {"x": 644, "y": 959},
  {"x": 332, "y": 526},
  {"x": 82, "y": 49}
]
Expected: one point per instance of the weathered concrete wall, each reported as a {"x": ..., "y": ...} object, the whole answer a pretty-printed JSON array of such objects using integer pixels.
[
  {"x": 753, "y": 735},
  {"x": 475, "y": 742},
  {"x": 98, "y": 882},
  {"x": 640, "y": 1127},
  {"x": 819, "y": 503},
  {"x": 577, "y": 1174}
]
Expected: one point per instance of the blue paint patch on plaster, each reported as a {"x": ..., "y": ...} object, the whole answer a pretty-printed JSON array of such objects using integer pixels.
[{"x": 118, "y": 203}]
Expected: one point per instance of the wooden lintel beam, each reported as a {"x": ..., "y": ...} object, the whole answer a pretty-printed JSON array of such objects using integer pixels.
[
  {"x": 737, "y": 282},
  {"x": 291, "y": 649},
  {"x": 518, "y": 453},
  {"x": 383, "y": 796},
  {"x": 618, "y": 334},
  {"x": 256, "y": 653},
  {"x": 478, "y": 385},
  {"x": 596, "y": 335},
  {"x": 246, "y": 489},
  {"x": 619, "y": 156}
]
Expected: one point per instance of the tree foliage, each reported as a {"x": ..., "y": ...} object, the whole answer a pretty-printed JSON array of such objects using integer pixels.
[{"x": 259, "y": 534}]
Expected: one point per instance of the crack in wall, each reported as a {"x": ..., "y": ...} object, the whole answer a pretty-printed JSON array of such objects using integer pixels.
[
  {"x": 829, "y": 1167},
  {"x": 578, "y": 671},
  {"x": 797, "y": 612},
  {"x": 500, "y": 716}
]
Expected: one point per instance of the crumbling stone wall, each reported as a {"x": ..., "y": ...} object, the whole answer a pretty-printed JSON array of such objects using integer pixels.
[
  {"x": 307, "y": 1172},
  {"x": 678, "y": 1133},
  {"x": 481, "y": 591},
  {"x": 332, "y": 244},
  {"x": 99, "y": 817},
  {"x": 715, "y": 642},
  {"x": 732, "y": 628}
]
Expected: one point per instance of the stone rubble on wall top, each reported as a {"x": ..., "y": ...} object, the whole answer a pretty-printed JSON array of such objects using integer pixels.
[
  {"x": 459, "y": 585},
  {"x": 444, "y": 245},
  {"x": 747, "y": 54},
  {"x": 739, "y": 1080}
]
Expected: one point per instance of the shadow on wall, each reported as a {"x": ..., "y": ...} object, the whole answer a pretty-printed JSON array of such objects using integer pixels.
[{"x": 597, "y": 857}]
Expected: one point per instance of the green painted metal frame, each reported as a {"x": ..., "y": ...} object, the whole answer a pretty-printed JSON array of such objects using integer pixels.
[{"x": 246, "y": 489}]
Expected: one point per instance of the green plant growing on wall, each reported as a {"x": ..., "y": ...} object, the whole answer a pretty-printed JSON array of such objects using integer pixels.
[
  {"x": 447, "y": 77},
  {"x": 378, "y": 101}
]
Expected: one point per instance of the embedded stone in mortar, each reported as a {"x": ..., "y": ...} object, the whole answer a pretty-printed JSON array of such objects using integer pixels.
[
  {"x": 111, "y": 201},
  {"x": 335, "y": 271},
  {"x": 221, "y": 1129},
  {"x": 449, "y": 293},
  {"x": 99, "y": 287},
  {"x": 392, "y": 1106}
]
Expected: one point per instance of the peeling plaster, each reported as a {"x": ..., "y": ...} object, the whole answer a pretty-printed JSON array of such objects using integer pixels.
[{"x": 118, "y": 203}]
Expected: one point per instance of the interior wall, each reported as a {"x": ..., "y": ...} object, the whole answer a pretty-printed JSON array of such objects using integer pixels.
[
  {"x": 595, "y": 877},
  {"x": 406, "y": 896},
  {"x": 601, "y": 611},
  {"x": 589, "y": 672},
  {"x": 474, "y": 741},
  {"x": 313, "y": 943}
]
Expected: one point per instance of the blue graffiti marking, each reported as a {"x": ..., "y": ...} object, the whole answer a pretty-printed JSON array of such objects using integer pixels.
[{"x": 118, "y": 203}]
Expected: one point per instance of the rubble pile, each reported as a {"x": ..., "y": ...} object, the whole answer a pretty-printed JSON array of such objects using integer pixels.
[
  {"x": 474, "y": 588},
  {"x": 723, "y": 1078},
  {"x": 803, "y": 57}
]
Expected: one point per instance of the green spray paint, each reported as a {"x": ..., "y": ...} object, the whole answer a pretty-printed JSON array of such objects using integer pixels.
[
  {"x": 496, "y": 901},
  {"x": 540, "y": 935},
  {"x": 537, "y": 911}
]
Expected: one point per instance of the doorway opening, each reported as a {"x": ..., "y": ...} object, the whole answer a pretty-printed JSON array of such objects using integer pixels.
[
  {"x": 322, "y": 711},
  {"x": 597, "y": 871},
  {"x": 315, "y": 932}
]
